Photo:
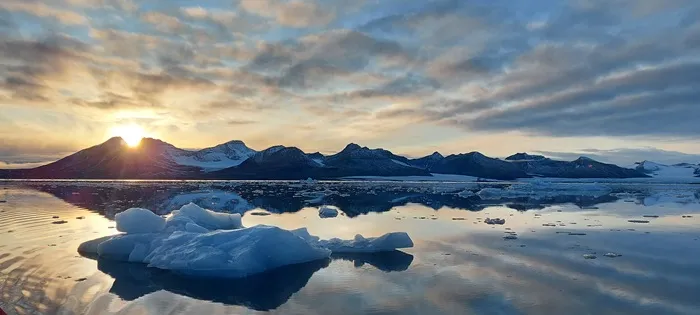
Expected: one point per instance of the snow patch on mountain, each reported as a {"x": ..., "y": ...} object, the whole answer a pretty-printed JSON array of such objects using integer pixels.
[
  {"x": 216, "y": 158},
  {"x": 662, "y": 171}
]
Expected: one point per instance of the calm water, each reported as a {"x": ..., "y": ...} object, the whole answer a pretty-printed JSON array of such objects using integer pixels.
[{"x": 460, "y": 265}]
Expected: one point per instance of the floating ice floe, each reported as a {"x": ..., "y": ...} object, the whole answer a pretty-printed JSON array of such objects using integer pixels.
[
  {"x": 498, "y": 221},
  {"x": 328, "y": 212},
  {"x": 542, "y": 189},
  {"x": 211, "y": 199},
  {"x": 466, "y": 194},
  {"x": 199, "y": 242}
]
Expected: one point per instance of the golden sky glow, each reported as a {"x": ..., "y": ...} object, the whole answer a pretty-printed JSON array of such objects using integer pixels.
[{"x": 547, "y": 76}]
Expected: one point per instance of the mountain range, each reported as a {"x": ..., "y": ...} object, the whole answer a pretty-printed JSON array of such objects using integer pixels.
[{"x": 155, "y": 159}]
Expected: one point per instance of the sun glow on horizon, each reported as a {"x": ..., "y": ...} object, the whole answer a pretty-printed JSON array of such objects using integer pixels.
[{"x": 131, "y": 134}]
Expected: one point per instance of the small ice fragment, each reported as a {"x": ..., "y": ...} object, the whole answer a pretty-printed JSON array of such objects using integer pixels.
[
  {"x": 328, "y": 212},
  {"x": 466, "y": 194},
  {"x": 612, "y": 255},
  {"x": 638, "y": 221},
  {"x": 497, "y": 221},
  {"x": 589, "y": 256}
]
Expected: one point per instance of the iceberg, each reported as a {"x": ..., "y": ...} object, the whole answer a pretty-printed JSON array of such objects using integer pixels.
[
  {"x": 328, "y": 212},
  {"x": 198, "y": 242},
  {"x": 137, "y": 220}
]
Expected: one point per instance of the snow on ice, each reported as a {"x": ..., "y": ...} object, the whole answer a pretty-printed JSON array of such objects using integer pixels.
[{"x": 199, "y": 242}]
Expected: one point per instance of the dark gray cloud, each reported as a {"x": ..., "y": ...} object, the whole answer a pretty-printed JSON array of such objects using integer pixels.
[{"x": 616, "y": 83}]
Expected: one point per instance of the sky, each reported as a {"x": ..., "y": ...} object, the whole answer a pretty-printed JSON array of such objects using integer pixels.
[{"x": 614, "y": 79}]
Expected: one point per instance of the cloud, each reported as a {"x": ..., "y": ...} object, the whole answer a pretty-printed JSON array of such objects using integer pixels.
[
  {"x": 43, "y": 10},
  {"x": 293, "y": 13},
  {"x": 240, "y": 122},
  {"x": 124, "y": 5},
  {"x": 573, "y": 69}
]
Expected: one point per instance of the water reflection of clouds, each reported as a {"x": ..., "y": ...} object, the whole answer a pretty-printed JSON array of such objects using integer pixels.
[
  {"x": 482, "y": 273},
  {"x": 547, "y": 267}
]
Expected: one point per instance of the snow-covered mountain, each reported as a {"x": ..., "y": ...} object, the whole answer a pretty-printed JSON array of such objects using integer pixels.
[
  {"x": 355, "y": 160},
  {"x": 477, "y": 165},
  {"x": 278, "y": 162},
  {"x": 427, "y": 162},
  {"x": 663, "y": 171},
  {"x": 583, "y": 167},
  {"x": 222, "y": 156},
  {"x": 155, "y": 159}
]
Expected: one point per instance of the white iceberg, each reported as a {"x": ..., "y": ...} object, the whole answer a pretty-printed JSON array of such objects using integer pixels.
[
  {"x": 210, "y": 220},
  {"x": 328, "y": 212},
  {"x": 199, "y": 242},
  {"x": 137, "y": 220}
]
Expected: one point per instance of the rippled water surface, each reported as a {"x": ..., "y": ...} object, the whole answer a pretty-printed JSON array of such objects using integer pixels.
[{"x": 460, "y": 265}]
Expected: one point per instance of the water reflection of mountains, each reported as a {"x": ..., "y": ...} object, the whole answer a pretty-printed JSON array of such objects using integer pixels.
[
  {"x": 353, "y": 201},
  {"x": 261, "y": 292}
]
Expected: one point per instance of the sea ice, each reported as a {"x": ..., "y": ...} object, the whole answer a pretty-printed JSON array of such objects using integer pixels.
[
  {"x": 466, "y": 194},
  {"x": 199, "y": 242},
  {"x": 328, "y": 212},
  {"x": 497, "y": 221},
  {"x": 540, "y": 189}
]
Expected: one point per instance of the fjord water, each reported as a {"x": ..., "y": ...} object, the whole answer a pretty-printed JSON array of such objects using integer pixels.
[{"x": 460, "y": 265}]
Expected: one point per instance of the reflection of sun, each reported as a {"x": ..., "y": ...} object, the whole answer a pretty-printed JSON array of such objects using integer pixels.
[{"x": 132, "y": 134}]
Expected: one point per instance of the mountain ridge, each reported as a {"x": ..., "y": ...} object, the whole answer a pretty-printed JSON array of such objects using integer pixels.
[{"x": 156, "y": 159}]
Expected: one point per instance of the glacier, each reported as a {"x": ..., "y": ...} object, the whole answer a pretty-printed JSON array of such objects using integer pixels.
[{"x": 198, "y": 242}]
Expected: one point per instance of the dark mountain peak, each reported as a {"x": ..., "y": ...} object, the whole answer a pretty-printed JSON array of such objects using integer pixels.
[
  {"x": 151, "y": 142},
  {"x": 316, "y": 155},
  {"x": 427, "y": 162},
  {"x": 235, "y": 142},
  {"x": 584, "y": 160},
  {"x": 352, "y": 147},
  {"x": 279, "y": 152},
  {"x": 525, "y": 157},
  {"x": 471, "y": 155}
]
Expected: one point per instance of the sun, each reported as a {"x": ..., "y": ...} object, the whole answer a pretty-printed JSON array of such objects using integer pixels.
[{"x": 132, "y": 134}]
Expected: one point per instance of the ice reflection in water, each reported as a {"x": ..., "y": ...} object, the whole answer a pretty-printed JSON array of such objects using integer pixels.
[{"x": 459, "y": 266}]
